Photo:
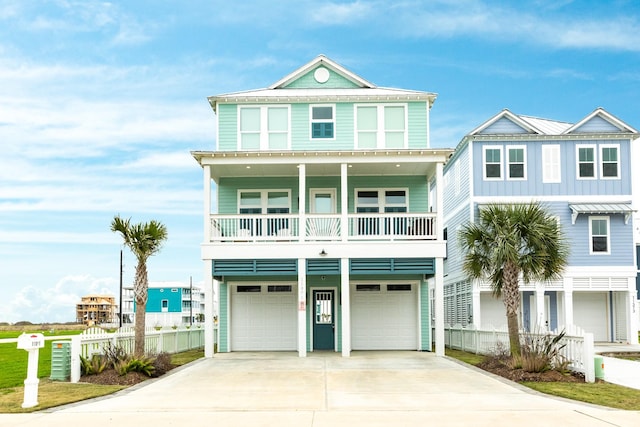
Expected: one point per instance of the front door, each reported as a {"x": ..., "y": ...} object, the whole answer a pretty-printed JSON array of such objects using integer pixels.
[{"x": 323, "y": 320}]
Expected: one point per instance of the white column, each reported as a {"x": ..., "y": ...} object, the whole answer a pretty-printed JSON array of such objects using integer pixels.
[
  {"x": 207, "y": 203},
  {"x": 568, "y": 303},
  {"x": 302, "y": 307},
  {"x": 439, "y": 202},
  {"x": 346, "y": 307},
  {"x": 540, "y": 314},
  {"x": 439, "y": 308},
  {"x": 209, "y": 326},
  {"x": 344, "y": 203},
  {"x": 477, "y": 312},
  {"x": 632, "y": 314},
  {"x": 302, "y": 201}
]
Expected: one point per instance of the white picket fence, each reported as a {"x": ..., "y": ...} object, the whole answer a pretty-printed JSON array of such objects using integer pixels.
[
  {"x": 578, "y": 350},
  {"x": 96, "y": 340}
]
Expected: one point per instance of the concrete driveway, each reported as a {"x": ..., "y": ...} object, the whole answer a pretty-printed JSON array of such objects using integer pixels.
[{"x": 368, "y": 389}]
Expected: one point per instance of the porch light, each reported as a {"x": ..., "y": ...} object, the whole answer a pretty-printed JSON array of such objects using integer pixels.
[{"x": 323, "y": 253}]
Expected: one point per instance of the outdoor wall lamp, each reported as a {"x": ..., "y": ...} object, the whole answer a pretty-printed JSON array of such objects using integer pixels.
[{"x": 323, "y": 253}]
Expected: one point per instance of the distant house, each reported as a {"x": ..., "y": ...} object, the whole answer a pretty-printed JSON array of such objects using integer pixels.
[
  {"x": 327, "y": 227},
  {"x": 96, "y": 310},
  {"x": 582, "y": 172},
  {"x": 168, "y": 304}
]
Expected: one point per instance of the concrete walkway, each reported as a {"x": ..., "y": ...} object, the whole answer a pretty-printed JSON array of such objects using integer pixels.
[
  {"x": 620, "y": 371},
  {"x": 368, "y": 389}
]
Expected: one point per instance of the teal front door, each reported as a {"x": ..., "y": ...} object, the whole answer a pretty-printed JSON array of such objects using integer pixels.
[{"x": 324, "y": 323}]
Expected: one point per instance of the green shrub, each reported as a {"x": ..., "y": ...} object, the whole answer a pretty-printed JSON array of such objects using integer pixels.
[
  {"x": 162, "y": 364},
  {"x": 114, "y": 354},
  {"x": 141, "y": 364},
  {"x": 540, "y": 353},
  {"x": 95, "y": 365}
]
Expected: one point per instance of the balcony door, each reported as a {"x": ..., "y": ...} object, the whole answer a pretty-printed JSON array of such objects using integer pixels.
[
  {"x": 257, "y": 202},
  {"x": 323, "y": 223},
  {"x": 375, "y": 201}
]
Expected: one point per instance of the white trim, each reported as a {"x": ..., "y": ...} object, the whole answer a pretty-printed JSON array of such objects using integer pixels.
[
  {"x": 264, "y": 197},
  {"x": 595, "y": 161},
  {"x": 564, "y": 198},
  {"x": 608, "y": 235},
  {"x": 314, "y": 191},
  {"x": 380, "y": 130},
  {"x": 381, "y": 197},
  {"x": 551, "y": 164},
  {"x": 332, "y": 120},
  {"x": 311, "y": 311},
  {"x": 264, "y": 126},
  {"x": 601, "y": 163},
  {"x": 484, "y": 162},
  {"x": 508, "y": 163}
]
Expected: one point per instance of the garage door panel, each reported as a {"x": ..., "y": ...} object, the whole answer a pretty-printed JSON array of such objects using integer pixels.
[
  {"x": 590, "y": 313},
  {"x": 383, "y": 319},
  {"x": 263, "y": 321}
]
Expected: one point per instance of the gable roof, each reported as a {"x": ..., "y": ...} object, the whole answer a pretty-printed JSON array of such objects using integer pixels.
[
  {"x": 602, "y": 114},
  {"x": 508, "y": 115},
  {"x": 328, "y": 63},
  {"x": 363, "y": 91}
]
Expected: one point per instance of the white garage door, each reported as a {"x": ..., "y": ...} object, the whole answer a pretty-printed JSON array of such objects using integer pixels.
[
  {"x": 263, "y": 318},
  {"x": 384, "y": 316},
  {"x": 590, "y": 313}
]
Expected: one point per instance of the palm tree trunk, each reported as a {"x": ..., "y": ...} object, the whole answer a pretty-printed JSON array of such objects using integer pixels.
[
  {"x": 511, "y": 299},
  {"x": 140, "y": 292}
]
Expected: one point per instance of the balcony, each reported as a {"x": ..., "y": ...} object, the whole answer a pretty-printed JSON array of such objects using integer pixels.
[{"x": 323, "y": 228}]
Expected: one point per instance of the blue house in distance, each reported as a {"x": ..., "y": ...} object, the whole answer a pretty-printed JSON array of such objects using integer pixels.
[{"x": 582, "y": 173}]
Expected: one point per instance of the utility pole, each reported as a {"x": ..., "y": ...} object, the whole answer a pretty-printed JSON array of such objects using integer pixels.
[
  {"x": 191, "y": 302},
  {"x": 120, "y": 288}
]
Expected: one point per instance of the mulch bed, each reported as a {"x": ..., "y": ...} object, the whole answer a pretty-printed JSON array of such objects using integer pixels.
[
  {"x": 498, "y": 366},
  {"x": 111, "y": 377}
]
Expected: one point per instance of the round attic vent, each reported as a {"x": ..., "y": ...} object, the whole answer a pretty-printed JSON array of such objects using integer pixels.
[{"x": 321, "y": 75}]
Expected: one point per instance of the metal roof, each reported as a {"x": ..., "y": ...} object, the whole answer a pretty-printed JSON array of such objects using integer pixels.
[{"x": 601, "y": 208}]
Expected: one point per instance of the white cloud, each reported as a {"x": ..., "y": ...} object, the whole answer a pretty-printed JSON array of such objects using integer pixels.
[
  {"x": 333, "y": 13},
  {"x": 56, "y": 303}
]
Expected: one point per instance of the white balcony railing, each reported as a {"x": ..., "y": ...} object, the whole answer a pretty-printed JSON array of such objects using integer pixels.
[{"x": 286, "y": 227}]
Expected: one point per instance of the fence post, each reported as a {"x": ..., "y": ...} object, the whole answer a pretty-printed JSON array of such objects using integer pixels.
[
  {"x": 588, "y": 357},
  {"x": 76, "y": 350}
]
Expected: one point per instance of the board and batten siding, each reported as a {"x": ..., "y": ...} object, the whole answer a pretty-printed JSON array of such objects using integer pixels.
[
  {"x": 223, "y": 320},
  {"x": 569, "y": 184},
  {"x": 595, "y": 125},
  {"x": 503, "y": 126},
  {"x": 453, "y": 263},
  {"x": 456, "y": 181}
]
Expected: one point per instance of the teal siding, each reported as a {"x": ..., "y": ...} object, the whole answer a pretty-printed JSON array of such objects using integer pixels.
[
  {"x": 307, "y": 81},
  {"x": 223, "y": 320},
  {"x": 156, "y": 295},
  {"x": 417, "y": 185},
  {"x": 227, "y": 127},
  {"x": 417, "y": 118},
  {"x": 425, "y": 317},
  {"x": 323, "y": 266}
]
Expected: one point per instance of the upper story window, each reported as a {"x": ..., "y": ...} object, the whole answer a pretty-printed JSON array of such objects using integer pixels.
[
  {"x": 375, "y": 201},
  {"x": 322, "y": 122},
  {"x": 381, "y": 126},
  {"x": 609, "y": 161},
  {"x": 586, "y": 161},
  {"x": 599, "y": 235},
  {"x": 551, "y": 166},
  {"x": 263, "y": 128},
  {"x": 492, "y": 161},
  {"x": 264, "y": 201},
  {"x": 517, "y": 162}
]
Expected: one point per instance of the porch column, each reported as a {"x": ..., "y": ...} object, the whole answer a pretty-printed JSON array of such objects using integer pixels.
[
  {"x": 345, "y": 287},
  {"x": 540, "y": 314},
  {"x": 209, "y": 325},
  {"x": 439, "y": 307},
  {"x": 477, "y": 312},
  {"x": 632, "y": 313},
  {"x": 302, "y": 307},
  {"x": 207, "y": 204},
  {"x": 568, "y": 304},
  {"x": 344, "y": 203},
  {"x": 302, "y": 201}
]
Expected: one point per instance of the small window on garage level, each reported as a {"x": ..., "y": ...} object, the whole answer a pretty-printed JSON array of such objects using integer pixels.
[
  {"x": 249, "y": 288},
  {"x": 368, "y": 288},
  {"x": 401, "y": 287},
  {"x": 279, "y": 288}
]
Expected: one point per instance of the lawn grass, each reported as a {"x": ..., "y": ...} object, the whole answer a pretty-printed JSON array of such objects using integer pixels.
[
  {"x": 54, "y": 393},
  {"x": 600, "y": 393},
  {"x": 14, "y": 360}
]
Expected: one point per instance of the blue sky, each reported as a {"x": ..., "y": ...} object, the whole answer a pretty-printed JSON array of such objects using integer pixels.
[{"x": 101, "y": 103}]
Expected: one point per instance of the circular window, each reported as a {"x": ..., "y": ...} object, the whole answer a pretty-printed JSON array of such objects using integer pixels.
[{"x": 321, "y": 75}]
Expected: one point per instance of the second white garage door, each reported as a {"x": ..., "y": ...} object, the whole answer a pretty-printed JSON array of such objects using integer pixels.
[
  {"x": 384, "y": 316},
  {"x": 263, "y": 318},
  {"x": 590, "y": 313}
]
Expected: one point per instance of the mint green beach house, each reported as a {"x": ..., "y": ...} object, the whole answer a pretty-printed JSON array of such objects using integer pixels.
[{"x": 323, "y": 217}]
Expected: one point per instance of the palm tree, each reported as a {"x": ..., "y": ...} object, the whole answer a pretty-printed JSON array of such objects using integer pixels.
[
  {"x": 509, "y": 242},
  {"x": 143, "y": 239}
]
